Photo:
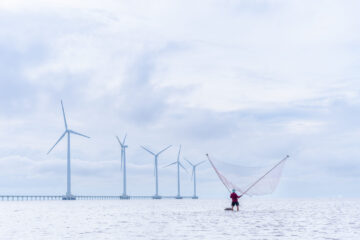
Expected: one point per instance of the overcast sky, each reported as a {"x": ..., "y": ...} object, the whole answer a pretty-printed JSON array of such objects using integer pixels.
[{"x": 245, "y": 81}]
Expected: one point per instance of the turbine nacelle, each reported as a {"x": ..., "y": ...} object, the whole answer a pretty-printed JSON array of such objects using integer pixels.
[
  {"x": 177, "y": 161},
  {"x": 122, "y": 144},
  {"x": 123, "y": 147},
  {"x": 67, "y": 131},
  {"x": 63, "y": 135},
  {"x": 194, "y": 166},
  {"x": 156, "y": 154},
  {"x": 180, "y": 164}
]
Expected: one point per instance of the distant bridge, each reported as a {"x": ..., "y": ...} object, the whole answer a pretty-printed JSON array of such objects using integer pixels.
[{"x": 82, "y": 197}]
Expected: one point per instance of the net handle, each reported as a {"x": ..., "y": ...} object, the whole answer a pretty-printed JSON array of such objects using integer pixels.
[{"x": 207, "y": 155}]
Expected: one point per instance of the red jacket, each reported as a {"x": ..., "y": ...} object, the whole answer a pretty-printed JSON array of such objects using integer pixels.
[{"x": 234, "y": 197}]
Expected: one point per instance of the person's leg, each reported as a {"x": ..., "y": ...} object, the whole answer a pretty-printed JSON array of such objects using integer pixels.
[
  {"x": 237, "y": 206},
  {"x": 232, "y": 206}
]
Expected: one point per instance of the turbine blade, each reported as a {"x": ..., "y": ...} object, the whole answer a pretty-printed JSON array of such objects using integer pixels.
[
  {"x": 189, "y": 162},
  {"x": 119, "y": 141},
  {"x": 179, "y": 153},
  {"x": 62, "y": 107},
  {"x": 200, "y": 163},
  {"x": 183, "y": 167},
  {"x": 170, "y": 164},
  {"x": 148, "y": 150},
  {"x": 82, "y": 135},
  {"x": 124, "y": 139},
  {"x": 192, "y": 174},
  {"x": 163, "y": 150},
  {"x": 57, "y": 142}
]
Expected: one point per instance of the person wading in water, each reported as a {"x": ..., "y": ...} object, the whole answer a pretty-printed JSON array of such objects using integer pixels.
[{"x": 234, "y": 197}]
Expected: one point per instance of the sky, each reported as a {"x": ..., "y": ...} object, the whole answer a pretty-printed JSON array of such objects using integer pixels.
[{"x": 246, "y": 81}]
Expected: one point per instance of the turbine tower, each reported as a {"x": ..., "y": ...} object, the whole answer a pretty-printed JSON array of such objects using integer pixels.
[
  {"x": 123, "y": 165},
  {"x": 193, "y": 175},
  {"x": 178, "y": 163},
  {"x": 156, "y": 196},
  {"x": 67, "y": 132}
]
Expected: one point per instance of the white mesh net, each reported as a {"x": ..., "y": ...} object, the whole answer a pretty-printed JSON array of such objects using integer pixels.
[{"x": 249, "y": 180}]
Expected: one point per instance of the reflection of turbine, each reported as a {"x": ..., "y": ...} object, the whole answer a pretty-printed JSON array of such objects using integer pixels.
[
  {"x": 123, "y": 165},
  {"x": 193, "y": 175},
  {"x": 156, "y": 196},
  {"x": 68, "y": 195},
  {"x": 178, "y": 163}
]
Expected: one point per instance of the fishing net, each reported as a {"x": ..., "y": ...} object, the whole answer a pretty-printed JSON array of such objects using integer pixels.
[{"x": 251, "y": 181}]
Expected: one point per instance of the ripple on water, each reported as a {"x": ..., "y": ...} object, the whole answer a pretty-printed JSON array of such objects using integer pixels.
[{"x": 186, "y": 219}]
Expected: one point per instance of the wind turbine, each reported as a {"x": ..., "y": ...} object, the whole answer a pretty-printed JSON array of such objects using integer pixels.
[
  {"x": 193, "y": 175},
  {"x": 67, "y": 132},
  {"x": 178, "y": 163},
  {"x": 156, "y": 196},
  {"x": 123, "y": 165}
]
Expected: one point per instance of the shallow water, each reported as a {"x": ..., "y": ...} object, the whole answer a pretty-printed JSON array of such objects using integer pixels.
[{"x": 180, "y": 219}]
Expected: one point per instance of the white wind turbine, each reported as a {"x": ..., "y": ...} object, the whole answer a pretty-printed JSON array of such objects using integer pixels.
[
  {"x": 67, "y": 132},
  {"x": 193, "y": 175},
  {"x": 156, "y": 196},
  {"x": 123, "y": 165},
  {"x": 178, "y": 163}
]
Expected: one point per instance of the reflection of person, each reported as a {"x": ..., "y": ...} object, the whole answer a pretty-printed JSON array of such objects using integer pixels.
[{"x": 234, "y": 197}]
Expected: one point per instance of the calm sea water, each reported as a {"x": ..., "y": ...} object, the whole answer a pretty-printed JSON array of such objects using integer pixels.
[{"x": 180, "y": 219}]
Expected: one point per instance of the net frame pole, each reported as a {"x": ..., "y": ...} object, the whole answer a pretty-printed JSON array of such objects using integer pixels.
[
  {"x": 217, "y": 173},
  {"x": 257, "y": 181}
]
